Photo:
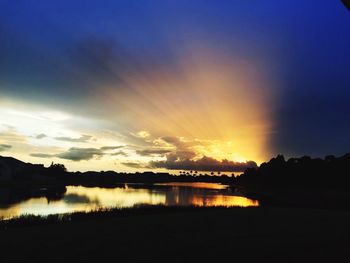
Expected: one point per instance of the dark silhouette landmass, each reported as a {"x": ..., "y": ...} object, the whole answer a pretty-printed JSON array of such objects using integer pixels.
[
  {"x": 12, "y": 169},
  {"x": 287, "y": 227},
  {"x": 20, "y": 181},
  {"x": 300, "y": 181}
]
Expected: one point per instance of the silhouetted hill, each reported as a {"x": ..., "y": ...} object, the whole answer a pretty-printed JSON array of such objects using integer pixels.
[
  {"x": 20, "y": 181},
  {"x": 10, "y": 167}
]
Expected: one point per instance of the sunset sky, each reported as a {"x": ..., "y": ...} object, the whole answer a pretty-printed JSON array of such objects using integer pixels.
[{"x": 161, "y": 85}]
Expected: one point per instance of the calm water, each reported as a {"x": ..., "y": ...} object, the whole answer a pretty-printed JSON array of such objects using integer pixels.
[{"x": 79, "y": 198}]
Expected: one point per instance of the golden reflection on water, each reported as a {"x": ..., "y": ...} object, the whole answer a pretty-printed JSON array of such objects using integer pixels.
[
  {"x": 225, "y": 200},
  {"x": 116, "y": 197},
  {"x": 79, "y": 198},
  {"x": 9, "y": 212},
  {"x": 197, "y": 185}
]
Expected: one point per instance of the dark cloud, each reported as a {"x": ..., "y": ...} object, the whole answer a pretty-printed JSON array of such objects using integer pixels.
[
  {"x": 83, "y": 138},
  {"x": 120, "y": 153},
  {"x": 5, "y": 147},
  {"x": 150, "y": 152},
  {"x": 42, "y": 155},
  {"x": 203, "y": 164},
  {"x": 181, "y": 155},
  {"x": 107, "y": 148},
  {"x": 133, "y": 165},
  {"x": 41, "y": 136},
  {"x": 80, "y": 154}
]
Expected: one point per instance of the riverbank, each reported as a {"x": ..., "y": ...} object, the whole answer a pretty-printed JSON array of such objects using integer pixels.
[{"x": 176, "y": 234}]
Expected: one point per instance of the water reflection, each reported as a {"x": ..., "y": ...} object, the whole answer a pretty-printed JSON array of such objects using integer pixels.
[
  {"x": 197, "y": 185},
  {"x": 79, "y": 198}
]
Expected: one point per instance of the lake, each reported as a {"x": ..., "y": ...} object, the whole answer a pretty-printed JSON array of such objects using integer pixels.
[{"x": 80, "y": 198}]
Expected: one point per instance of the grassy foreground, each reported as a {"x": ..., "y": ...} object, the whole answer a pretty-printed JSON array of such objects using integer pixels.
[{"x": 181, "y": 235}]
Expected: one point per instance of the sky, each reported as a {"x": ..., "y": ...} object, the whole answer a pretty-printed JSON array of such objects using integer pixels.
[{"x": 167, "y": 85}]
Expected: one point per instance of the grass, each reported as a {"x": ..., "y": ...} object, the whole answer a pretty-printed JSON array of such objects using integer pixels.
[
  {"x": 98, "y": 214},
  {"x": 181, "y": 234}
]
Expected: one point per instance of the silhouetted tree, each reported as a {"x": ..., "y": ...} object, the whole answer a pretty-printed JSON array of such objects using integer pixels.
[
  {"x": 57, "y": 168},
  {"x": 299, "y": 172}
]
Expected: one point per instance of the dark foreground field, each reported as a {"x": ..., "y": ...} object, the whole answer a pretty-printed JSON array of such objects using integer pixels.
[{"x": 186, "y": 235}]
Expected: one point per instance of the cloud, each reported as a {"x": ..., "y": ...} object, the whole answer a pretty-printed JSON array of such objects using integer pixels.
[
  {"x": 141, "y": 138},
  {"x": 181, "y": 155},
  {"x": 203, "y": 164},
  {"x": 79, "y": 154},
  {"x": 120, "y": 153},
  {"x": 73, "y": 154},
  {"x": 83, "y": 138},
  {"x": 134, "y": 165},
  {"x": 141, "y": 134},
  {"x": 42, "y": 155},
  {"x": 188, "y": 155},
  {"x": 12, "y": 136},
  {"x": 154, "y": 151},
  {"x": 175, "y": 141},
  {"x": 41, "y": 136},
  {"x": 107, "y": 148},
  {"x": 4, "y": 147}
]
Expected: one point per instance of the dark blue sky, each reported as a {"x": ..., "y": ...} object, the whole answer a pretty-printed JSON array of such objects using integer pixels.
[{"x": 61, "y": 52}]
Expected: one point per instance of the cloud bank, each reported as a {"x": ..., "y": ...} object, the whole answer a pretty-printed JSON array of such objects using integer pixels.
[
  {"x": 40, "y": 136},
  {"x": 151, "y": 152},
  {"x": 81, "y": 154},
  {"x": 83, "y": 138},
  {"x": 133, "y": 165},
  {"x": 203, "y": 164},
  {"x": 181, "y": 154},
  {"x": 107, "y": 148}
]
